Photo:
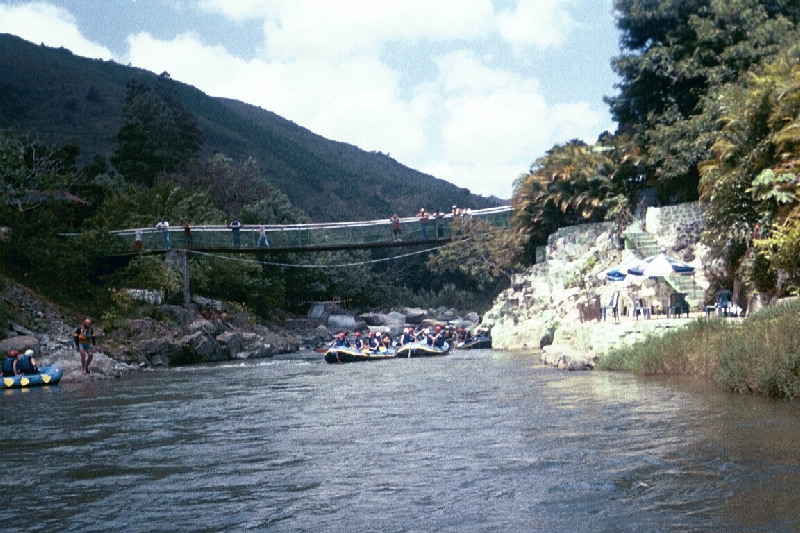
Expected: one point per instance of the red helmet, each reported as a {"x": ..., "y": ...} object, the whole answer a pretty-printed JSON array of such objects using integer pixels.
[
  {"x": 358, "y": 333},
  {"x": 87, "y": 321},
  {"x": 340, "y": 335},
  {"x": 13, "y": 353},
  {"x": 371, "y": 333}
]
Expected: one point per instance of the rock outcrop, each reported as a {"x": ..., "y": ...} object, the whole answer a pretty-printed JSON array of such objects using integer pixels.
[{"x": 557, "y": 305}]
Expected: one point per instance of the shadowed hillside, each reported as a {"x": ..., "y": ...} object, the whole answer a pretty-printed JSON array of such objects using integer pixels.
[{"x": 65, "y": 99}]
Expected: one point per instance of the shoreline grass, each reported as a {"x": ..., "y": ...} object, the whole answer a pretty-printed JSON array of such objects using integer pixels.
[{"x": 759, "y": 355}]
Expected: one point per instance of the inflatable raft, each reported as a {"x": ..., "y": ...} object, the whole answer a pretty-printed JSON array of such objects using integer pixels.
[
  {"x": 478, "y": 343},
  {"x": 421, "y": 349},
  {"x": 48, "y": 375},
  {"x": 343, "y": 354}
]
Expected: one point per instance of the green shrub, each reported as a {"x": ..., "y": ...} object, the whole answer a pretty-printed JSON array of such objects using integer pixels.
[{"x": 759, "y": 355}]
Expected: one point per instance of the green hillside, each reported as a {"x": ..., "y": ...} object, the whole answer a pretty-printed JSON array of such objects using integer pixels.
[{"x": 62, "y": 99}]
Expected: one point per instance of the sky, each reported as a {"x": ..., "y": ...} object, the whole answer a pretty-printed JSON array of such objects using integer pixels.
[{"x": 470, "y": 91}]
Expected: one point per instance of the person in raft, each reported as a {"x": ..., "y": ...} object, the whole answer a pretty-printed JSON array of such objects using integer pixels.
[
  {"x": 26, "y": 364},
  {"x": 85, "y": 343},
  {"x": 407, "y": 337},
  {"x": 436, "y": 338},
  {"x": 10, "y": 367},
  {"x": 359, "y": 343},
  {"x": 374, "y": 341},
  {"x": 341, "y": 340}
]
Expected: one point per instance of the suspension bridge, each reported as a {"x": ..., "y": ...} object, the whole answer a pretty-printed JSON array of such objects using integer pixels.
[{"x": 301, "y": 237}]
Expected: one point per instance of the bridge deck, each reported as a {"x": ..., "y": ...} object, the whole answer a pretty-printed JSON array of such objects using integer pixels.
[{"x": 303, "y": 237}]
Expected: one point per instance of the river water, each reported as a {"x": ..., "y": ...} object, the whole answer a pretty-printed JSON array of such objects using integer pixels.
[{"x": 474, "y": 441}]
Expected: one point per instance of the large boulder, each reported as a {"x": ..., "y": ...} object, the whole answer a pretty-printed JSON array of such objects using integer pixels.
[
  {"x": 198, "y": 347},
  {"x": 210, "y": 327},
  {"x": 19, "y": 343},
  {"x": 340, "y": 322},
  {"x": 231, "y": 343},
  {"x": 414, "y": 315},
  {"x": 374, "y": 319}
]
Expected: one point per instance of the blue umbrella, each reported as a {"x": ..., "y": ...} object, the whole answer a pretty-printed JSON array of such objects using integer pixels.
[{"x": 620, "y": 272}]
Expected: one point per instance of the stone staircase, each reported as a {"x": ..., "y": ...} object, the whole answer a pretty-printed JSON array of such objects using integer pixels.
[{"x": 645, "y": 244}]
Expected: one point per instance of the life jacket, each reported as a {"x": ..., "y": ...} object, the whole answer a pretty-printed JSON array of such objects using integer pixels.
[
  {"x": 84, "y": 334},
  {"x": 26, "y": 366},
  {"x": 8, "y": 366}
]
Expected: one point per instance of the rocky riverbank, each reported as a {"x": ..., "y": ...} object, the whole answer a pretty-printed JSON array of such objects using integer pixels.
[{"x": 209, "y": 331}]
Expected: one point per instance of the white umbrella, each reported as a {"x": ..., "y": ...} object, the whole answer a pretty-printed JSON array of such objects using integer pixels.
[{"x": 659, "y": 266}]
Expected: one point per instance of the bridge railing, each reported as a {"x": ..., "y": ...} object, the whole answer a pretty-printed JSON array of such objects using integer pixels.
[{"x": 299, "y": 236}]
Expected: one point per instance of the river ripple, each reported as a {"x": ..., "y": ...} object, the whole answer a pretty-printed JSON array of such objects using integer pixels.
[{"x": 475, "y": 441}]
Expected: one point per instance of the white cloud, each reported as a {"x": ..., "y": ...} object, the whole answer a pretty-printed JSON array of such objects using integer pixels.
[
  {"x": 538, "y": 23},
  {"x": 51, "y": 25},
  {"x": 302, "y": 28},
  {"x": 353, "y": 100}
]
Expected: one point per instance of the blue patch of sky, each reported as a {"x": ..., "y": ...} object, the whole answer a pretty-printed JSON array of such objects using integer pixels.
[{"x": 109, "y": 23}]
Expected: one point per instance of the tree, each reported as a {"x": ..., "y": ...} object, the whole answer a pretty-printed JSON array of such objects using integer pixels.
[
  {"x": 481, "y": 251},
  {"x": 231, "y": 185},
  {"x": 159, "y": 134},
  {"x": 676, "y": 54},
  {"x": 572, "y": 183}
]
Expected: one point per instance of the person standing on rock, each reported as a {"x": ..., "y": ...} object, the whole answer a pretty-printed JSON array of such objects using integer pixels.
[{"x": 85, "y": 342}]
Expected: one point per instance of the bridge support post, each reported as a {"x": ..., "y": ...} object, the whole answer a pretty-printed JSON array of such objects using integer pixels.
[{"x": 183, "y": 261}]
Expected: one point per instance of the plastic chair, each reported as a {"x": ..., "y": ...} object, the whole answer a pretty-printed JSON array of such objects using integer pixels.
[
  {"x": 640, "y": 307},
  {"x": 678, "y": 304},
  {"x": 613, "y": 305},
  {"x": 723, "y": 305}
]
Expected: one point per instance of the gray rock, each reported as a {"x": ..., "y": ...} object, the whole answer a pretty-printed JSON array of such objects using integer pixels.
[
  {"x": 473, "y": 317},
  {"x": 414, "y": 315},
  {"x": 374, "y": 319},
  {"x": 199, "y": 347},
  {"x": 231, "y": 343},
  {"x": 181, "y": 315},
  {"x": 338, "y": 322},
  {"x": 19, "y": 343},
  {"x": 211, "y": 327}
]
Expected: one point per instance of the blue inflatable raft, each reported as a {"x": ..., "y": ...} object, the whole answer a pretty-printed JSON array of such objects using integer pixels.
[{"x": 48, "y": 375}]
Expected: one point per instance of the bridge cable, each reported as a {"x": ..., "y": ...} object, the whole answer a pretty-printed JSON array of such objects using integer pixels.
[{"x": 343, "y": 265}]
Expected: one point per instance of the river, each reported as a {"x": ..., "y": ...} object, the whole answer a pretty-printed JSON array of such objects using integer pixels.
[{"x": 474, "y": 441}]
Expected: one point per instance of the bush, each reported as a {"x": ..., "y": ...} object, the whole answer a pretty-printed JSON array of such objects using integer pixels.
[{"x": 760, "y": 355}]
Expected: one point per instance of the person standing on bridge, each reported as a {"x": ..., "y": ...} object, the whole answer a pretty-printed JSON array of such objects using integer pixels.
[
  {"x": 235, "y": 226},
  {"x": 262, "y": 237},
  {"x": 163, "y": 225},
  {"x": 395, "y": 222},
  {"x": 437, "y": 216},
  {"x": 424, "y": 218},
  {"x": 187, "y": 234}
]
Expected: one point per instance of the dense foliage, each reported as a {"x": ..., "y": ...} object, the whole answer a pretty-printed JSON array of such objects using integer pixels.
[{"x": 707, "y": 109}]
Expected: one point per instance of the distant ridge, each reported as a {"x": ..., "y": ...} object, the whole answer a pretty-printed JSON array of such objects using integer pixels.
[{"x": 66, "y": 99}]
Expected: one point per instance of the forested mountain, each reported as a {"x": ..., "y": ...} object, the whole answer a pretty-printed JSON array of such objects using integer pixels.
[{"x": 63, "y": 99}]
